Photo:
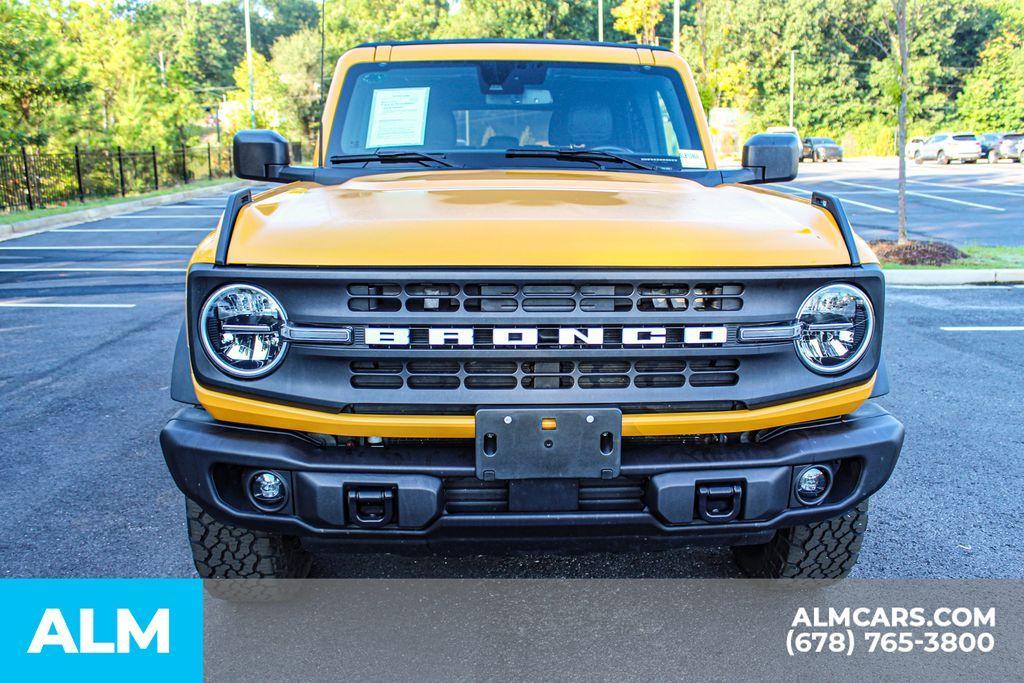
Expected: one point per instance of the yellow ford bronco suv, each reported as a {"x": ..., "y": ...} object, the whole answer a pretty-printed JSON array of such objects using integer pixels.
[{"x": 517, "y": 303}]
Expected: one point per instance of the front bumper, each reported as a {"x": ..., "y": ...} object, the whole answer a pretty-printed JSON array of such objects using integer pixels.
[{"x": 438, "y": 500}]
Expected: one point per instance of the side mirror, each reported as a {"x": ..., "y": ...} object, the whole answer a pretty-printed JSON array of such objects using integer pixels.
[
  {"x": 773, "y": 157},
  {"x": 260, "y": 154}
]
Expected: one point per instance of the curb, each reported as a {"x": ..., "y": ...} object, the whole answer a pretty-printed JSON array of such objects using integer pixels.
[
  {"x": 33, "y": 225},
  {"x": 955, "y": 276}
]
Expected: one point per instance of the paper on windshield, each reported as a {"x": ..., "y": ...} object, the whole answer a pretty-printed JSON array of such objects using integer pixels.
[
  {"x": 398, "y": 117},
  {"x": 692, "y": 158}
]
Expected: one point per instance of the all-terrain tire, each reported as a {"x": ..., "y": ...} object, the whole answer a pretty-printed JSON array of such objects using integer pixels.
[
  {"x": 245, "y": 564},
  {"x": 822, "y": 550}
]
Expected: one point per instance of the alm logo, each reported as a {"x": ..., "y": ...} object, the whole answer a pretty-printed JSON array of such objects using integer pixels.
[{"x": 53, "y": 631}]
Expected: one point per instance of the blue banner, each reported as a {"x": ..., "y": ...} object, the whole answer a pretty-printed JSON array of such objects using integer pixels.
[{"x": 151, "y": 629}]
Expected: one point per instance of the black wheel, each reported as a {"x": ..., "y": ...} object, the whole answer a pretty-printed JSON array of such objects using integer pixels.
[
  {"x": 820, "y": 156},
  {"x": 942, "y": 159},
  {"x": 918, "y": 159},
  {"x": 823, "y": 550},
  {"x": 993, "y": 156},
  {"x": 223, "y": 552}
]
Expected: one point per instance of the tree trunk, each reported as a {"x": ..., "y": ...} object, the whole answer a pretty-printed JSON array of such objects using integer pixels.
[{"x": 901, "y": 132}]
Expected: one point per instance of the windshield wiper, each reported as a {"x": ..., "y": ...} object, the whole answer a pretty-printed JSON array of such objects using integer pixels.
[
  {"x": 395, "y": 157},
  {"x": 589, "y": 155}
]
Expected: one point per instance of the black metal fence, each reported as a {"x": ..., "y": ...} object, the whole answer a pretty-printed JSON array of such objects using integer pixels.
[{"x": 33, "y": 180}]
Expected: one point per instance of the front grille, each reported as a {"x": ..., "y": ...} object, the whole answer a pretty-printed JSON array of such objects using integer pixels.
[
  {"x": 511, "y": 298},
  {"x": 641, "y": 373},
  {"x": 469, "y": 495},
  {"x": 643, "y": 340}
]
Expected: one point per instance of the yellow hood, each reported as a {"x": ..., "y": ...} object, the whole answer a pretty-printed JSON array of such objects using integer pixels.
[{"x": 533, "y": 218}]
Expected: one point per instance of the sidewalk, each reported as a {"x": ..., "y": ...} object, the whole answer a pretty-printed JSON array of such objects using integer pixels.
[
  {"x": 955, "y": 276},
  {"x": 32, "y": 225}
]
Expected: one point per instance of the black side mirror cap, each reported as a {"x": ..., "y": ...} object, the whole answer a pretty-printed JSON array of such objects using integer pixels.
[
  {"x": 260, "y": 154},
  {"x": 774, "y": 157}
]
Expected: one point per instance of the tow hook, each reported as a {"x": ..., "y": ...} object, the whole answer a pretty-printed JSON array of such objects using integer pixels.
[
  {"x": 370, "y": 506},
  {"x": 718, "y": 504}
]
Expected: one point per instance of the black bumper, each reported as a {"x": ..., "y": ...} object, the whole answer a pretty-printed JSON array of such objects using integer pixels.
[{"x": 655, "y": 502}]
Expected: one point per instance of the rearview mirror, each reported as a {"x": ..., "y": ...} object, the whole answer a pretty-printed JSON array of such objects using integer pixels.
[
  {"x": 260, "y": 154},
  {"x": 773, "y": 157}
]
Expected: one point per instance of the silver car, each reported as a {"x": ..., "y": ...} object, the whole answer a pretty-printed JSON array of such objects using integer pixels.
[{"x": 945, "y": 147}]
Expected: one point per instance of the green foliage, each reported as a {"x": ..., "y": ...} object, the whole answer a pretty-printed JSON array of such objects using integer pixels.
[
  {"x": 36, "y": 75},
  {"x": 140, "y": 73}
]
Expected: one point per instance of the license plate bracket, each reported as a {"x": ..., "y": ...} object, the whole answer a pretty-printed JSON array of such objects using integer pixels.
[{"x": 531, "y": 443}]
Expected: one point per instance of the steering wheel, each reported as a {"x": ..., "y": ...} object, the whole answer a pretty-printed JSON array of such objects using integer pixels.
[{"x": 612, "y": 149}]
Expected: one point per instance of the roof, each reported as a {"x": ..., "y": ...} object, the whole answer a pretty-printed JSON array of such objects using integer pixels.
[{"x": 526, "y": 41}]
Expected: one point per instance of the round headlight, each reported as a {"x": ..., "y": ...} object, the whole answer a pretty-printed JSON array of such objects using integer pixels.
[
  {"x": 240, "y": 327},
  {"x": 837, "y": 322}
]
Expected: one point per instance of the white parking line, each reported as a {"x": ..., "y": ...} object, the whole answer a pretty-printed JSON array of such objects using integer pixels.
[
  {"x": 92, "y": 270},
  {"x": 38, "y": 304},
  {"x": 989, "y": 328},
  {"x": 134, "y": 230},
  {"x": 922, "y": 194},
  {"x": 954, "y": 188},
  {"x": 78, "y": 247},
  {"x": 845, "y": 201}
]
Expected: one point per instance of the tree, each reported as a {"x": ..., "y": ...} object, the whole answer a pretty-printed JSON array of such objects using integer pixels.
[
  {"x": 639, "y": 18},
  {"x": 900, "y": 6},
  {"x": 35, "y": 75},
  {"x": 993, "y": 93}
]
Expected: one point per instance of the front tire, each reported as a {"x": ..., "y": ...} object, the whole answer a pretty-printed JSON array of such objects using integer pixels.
[
  {"x": 942, "y": 159},
  {"x": 822, "y": 550},
  {"x": 918, "y": 159},
  {"x": 222, "y": 551}
]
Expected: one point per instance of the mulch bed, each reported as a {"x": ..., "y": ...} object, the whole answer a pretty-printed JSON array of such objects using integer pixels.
[{"x": 919, "y": 253}]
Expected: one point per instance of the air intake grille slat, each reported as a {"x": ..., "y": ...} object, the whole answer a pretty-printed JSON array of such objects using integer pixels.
[
  {"x": 469, "y": 495},
  {"x": 558, "y": 297},
  {"x": 644, "y": 373}
]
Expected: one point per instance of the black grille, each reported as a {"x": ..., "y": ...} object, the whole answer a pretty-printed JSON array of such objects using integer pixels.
[
  {"x": 644, "y": 373},
  {"x": 468, "y": 495},
  {"x": 450, "y": 297}
]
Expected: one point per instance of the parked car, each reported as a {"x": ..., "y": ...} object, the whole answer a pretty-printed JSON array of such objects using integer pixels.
[
  {"x": 913, "y": 146},
  {"x": 783, "y": 129},
  {"x": 990, "y": 146},
  {"x": 945, "y": 147},
  {"x": 1011, "y": 146},
  {"x": 821, "y": 149}
]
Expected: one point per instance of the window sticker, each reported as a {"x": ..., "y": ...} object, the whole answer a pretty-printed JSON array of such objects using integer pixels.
[
  {"x": 692, "y": 158},
  {"x": 398, "y": 117}
]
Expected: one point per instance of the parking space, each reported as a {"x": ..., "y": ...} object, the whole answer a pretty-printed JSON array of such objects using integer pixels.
[
  {"x": 977, "y": 203},
  {"x": 89, "y": 316}
]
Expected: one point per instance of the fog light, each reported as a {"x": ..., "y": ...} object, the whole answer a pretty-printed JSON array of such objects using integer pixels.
[
  {"x": 267, "y": 490},
  {"x": 812, "y": 484}
]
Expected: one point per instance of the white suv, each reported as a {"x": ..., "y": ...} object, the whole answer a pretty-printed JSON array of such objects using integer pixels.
[{"x": 945, "y": 147}]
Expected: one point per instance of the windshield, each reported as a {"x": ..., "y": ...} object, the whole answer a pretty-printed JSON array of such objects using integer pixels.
[{"x": 485, "y": 108}]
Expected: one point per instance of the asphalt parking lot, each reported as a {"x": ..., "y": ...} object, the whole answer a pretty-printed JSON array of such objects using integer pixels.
[
  {"x": 89, "y": 315},
  {"x": 978, "y": 203}
]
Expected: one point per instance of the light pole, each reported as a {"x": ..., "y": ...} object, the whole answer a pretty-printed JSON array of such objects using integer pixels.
[
  {"x": 600, "y": 21},
  {"x": 248, "y": 59},
  {"x": 792, "y": 83},
  {"x": 675, "y": 26}
]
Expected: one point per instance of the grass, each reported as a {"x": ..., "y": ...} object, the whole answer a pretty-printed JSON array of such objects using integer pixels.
[
  {"x": 18, "y": 216},
  {"x": 977, "y": 257}
]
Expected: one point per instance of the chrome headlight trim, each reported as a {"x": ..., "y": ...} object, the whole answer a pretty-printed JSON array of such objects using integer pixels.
[
  {"x": 212, "y": 354},
  {"x": 865, "y": 342}
]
